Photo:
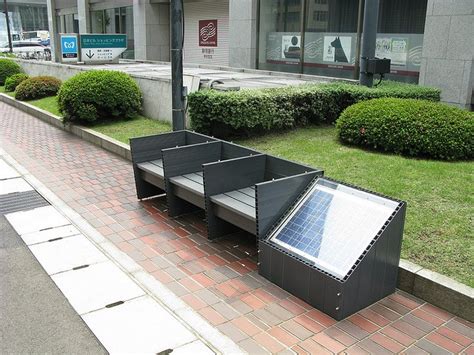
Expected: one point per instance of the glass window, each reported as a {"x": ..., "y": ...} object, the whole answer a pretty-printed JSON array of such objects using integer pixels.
[
  {"x": 402, "y": 16},
  {"x": 110, "y": 21},
  {"x": 33, "y": 18},
  {"x": 97, "y": 22},
  {"x": 280, "y": 35},
  {"x": 330, "y": 36},
  {"x": 117, "y": 20}
]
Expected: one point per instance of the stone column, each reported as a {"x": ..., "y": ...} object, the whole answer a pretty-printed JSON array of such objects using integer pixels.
[
  {"x": 243, "y": 33},
  {"x": 448, "y": 50},
  {"x": 84, "y": 14},
  {"x": 152, "y": 30},
  {"x": 53, "y": 30}
]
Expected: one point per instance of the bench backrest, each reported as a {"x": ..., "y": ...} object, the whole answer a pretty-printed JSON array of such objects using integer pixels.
[
  {"x": 149, "y": 147},
  {"x": 277, "y": 168}
]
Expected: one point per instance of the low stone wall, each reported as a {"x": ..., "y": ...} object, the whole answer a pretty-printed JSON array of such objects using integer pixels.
[{"x": 156, "y": 92}]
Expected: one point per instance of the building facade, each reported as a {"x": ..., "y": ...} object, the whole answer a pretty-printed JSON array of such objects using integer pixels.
[
  {"x": 428, "y": 41},
  {"x": 24, "y": 16}
]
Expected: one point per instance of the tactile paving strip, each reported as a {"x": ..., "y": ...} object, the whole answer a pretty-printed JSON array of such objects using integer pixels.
[{"x": 21, "y": 201}]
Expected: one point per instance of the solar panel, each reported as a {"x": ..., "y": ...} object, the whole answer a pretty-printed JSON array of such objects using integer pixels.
[{"x": 332, "y": 225}]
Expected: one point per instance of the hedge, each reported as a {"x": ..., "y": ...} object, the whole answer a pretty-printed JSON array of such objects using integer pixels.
[
  {"x": 13, "y": 81},
  {"x": 37, "y": 87},
  {"x": 98, "y": 95},
  {"x": 409, "y": 127},
  {"x": 264, "y": 109},
  {"x": 8, "y": 68}
]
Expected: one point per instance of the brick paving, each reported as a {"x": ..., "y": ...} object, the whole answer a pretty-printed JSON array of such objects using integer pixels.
[{"x": 217, "y": 279}]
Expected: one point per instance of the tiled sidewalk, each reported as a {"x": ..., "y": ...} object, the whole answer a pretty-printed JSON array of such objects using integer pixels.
[{"x": 219, "y": 280}]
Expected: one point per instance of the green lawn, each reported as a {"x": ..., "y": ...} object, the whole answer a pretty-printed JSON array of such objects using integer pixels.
[
  {"x": 140, "y": 126},
  {"x": 440, "y": 195},
  {"x": 48, "y": 104}
]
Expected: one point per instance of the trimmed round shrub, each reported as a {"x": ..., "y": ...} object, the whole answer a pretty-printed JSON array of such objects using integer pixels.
[
  {"x": 98, "y": 95},
  {"x": 37, "y": 87},
  {"x": 8, "y": 68},
  {"x": 13, "y": 81},
  {"x": 409, "y": 127}
]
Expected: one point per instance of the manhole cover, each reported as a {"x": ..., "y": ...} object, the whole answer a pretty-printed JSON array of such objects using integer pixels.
[{"x": 21, "y": 201}]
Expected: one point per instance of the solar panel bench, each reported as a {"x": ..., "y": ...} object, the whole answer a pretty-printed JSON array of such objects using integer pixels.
[
  {"x": 251, "y": 193},
  {"x": 147, "y": 158},
  {"x": 183, "y": 172},
  {"x": 338, "y": 248}
]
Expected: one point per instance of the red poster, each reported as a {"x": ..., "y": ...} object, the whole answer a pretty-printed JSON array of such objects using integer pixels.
[{"x": 208, "y": 33}]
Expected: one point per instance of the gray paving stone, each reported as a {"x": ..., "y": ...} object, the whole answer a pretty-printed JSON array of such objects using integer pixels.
[
  {"x": 373, "y": 347},
  {"x": 216, "y": 276},
  {"x": 419, "y": 323},
  {"x": 351, "y": 329},
  {"x": 207, "y": 296},
  {"x": 232, "y": 332},
  {"x": 267, "y": 317},
  {"x": 279, "y": 311},
  {"x": 177, "y": 289},
  {"x": 431, "y": 348},
  {"x": 228, "y": 272},
  {"x": 297, "y": 330},
  {"x": 225, "y": 310},
  {"x": 241, "y": 307},
  {"x": 251, "y": 347},
  {"x": 175, "y": 273},
  {"x": 414, "y": 350},
  {"x": 461, "y": 328}
]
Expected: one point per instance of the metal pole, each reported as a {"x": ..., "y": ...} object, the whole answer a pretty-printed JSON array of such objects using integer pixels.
[
  {"x": 358, "y": 40},
  {"x": 176, "y": 17},
  {"x": 371, "y": 14},
  {"x": 302, "y": 34},
  {"x": 5, "y": 7}
]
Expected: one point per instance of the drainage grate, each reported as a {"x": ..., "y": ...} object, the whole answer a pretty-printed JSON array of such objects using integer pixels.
[{"x": 21, "y": 201}]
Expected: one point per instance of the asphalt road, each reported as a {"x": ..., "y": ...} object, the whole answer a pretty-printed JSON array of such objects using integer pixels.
[{"x": 35, "y": 317}]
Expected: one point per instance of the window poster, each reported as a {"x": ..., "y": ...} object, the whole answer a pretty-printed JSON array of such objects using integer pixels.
[
  {"x": 392, "y": 48},
  {"x": 337, "y": 49},
  {"x": 291, "y": 47}
]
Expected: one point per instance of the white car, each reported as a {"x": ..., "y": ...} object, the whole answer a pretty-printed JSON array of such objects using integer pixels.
[{"x": 28, "y": 49}]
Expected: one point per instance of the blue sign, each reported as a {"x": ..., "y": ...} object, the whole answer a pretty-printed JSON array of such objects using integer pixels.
[{"x": 69, "y": 50}]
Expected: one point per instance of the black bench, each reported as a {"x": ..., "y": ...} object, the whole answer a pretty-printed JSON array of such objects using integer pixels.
[
  {"x": 148, "y": 160},
  {"x": 237, "y": 187},
  {"x": 183, "y": 172},
  {"x": 252, "y": 192}
]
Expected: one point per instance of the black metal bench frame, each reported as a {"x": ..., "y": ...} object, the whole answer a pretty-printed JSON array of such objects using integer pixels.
[
  {"x": 277, "y": 183},
  {"x": 148, "y": 149},
  {"x": 184, "y": 196},
  {"x": 224, "y": 167}
]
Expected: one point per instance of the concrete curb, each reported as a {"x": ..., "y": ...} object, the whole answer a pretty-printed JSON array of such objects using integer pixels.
[{"x": 428, "y": 285}]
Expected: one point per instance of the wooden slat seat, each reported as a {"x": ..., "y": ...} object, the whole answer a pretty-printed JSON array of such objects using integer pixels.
[
  {"x": 154, "y": 167},
  {"x": 192, "y": 182},
  {"x": 240, "y": 201},
  {"x": 236, "y": 207}
]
